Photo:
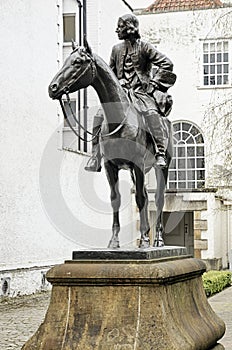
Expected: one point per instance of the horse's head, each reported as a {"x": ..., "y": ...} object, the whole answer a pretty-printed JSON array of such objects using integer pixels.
[{"x": 78, "y": 72}]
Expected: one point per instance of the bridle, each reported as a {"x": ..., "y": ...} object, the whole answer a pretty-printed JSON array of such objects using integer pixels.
[{"x": 66, "y": 90}]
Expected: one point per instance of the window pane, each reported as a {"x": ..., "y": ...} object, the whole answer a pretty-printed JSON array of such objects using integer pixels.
[
  {"x": 212, "y": 58},
  {"x": 191, "y": 175},
  {"x": 172, "y": 185},
  {"x": 190, "y": 151},
  {"x": 178, "y": 136},
  {"x": 181, "y": 163},
  {"x": 206, "y": 69},
  {"x": 219, "y": 57},
  {"x": 219, "y": 68},
  {"x": 185, "y": 135},
  {"x": 206, "y": 58},
  {"x": 225, "y": 79},
  {"x": 206, "y": 80},
  {"x": 225, "y": 57},
  {"x": 172, "y": 175},
  {"x": 212, "y": 47},
  {"x": 200, "y": 151},
  {"x": 212, "y": 80},
  {"x": 191, "y": 163},
  {"x": 194, "y": 131},
  {"x": 174, "y": 140},
  {"x": 181, "y": 175},
  {"x": 186, "y": 126},
  {"x": 69, "y": 28},
  {"x": 190, "y": 140},
  {"x": 212, "y": 69},
  {"x": 176, "y": 127},
  {"x": 219, "y": 79},
  {"x": 225, "y": 68},
  {"x": 225, "y": 45},
  {"x": 199, "y": 139},
  {"x": 191, "y": 185},
  {"x": 181, "y": 151},
  {"x": 200, "y": 174},
  {"x": 182, "y": 184},
  {"x": 69, "y": 113},
  {"x": 219, "y": 46},
  {"x": 200, "y": 163},
  {"x": 205, "y": 47},
  {"x": 200, "y": 184},
  {"x": 173, "y": 164}
]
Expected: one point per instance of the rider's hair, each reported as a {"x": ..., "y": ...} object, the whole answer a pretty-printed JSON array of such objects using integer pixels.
[{"x": 132, "y": 24}]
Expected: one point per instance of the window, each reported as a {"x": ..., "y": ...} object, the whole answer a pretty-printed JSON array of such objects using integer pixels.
[
  {"x": 187, "y": 170},
  {"x": 216, "y": 63},
  {"x": 74, "y": 23},
  {"x": 69, "y": 28},
  {"x": 69, "y": 113}
]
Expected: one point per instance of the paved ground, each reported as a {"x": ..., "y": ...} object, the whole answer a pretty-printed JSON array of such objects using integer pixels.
[
  {"x": 20, "y": 318},
  {"x": 222, "y": 305}
]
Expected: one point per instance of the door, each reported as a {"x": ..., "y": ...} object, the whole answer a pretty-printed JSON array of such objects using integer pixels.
[{"x": 178, "y": 229}]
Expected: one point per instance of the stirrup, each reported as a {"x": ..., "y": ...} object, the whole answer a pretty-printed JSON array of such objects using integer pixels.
[{"x": 93, "y": 164}]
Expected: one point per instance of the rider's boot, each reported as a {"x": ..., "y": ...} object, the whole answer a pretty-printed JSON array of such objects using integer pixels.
[
  {"x": 156, "y": 128},
  {"x": 94, "y": 162}
]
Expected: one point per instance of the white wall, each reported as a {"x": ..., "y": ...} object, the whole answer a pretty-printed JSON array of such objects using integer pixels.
[
  {"x": 44, "y": 213},
  {"x": 28, "y": 118},
  {"x": 179, "y": 35}
]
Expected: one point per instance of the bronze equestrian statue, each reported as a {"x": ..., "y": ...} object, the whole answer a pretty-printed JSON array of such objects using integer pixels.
[{"x": 135, "y": 133}]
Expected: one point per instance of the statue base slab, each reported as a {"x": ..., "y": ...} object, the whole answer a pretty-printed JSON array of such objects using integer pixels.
[
  {"x": 130, "y": 253},
  {"x": 128, "y": 304}
]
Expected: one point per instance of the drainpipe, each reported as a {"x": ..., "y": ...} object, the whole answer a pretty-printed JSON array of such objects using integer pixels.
[
  {"x": 85, "y": 90},
  {"x": 79, "y": 93}
]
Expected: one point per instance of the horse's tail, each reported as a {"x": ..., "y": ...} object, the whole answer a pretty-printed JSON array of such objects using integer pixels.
[{"x": 132, "y": 175}]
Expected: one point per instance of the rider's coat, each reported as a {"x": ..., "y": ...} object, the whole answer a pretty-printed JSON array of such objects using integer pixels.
[{"x": 143, "y": 56}]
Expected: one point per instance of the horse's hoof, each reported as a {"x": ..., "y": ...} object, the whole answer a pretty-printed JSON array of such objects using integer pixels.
[
  {"x": 113, "y": 244},
  {"x": 144, "y": 243},
  {"x": 158, "y": 244}
]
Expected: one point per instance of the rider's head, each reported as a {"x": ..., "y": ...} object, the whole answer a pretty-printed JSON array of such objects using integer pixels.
[{"x": 128, "y": 27}]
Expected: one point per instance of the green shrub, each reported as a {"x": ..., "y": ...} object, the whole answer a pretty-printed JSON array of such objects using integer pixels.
[{"x": 216, "y": 281}]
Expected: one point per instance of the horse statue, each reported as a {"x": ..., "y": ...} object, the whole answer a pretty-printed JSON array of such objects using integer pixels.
[{"x": 125, "y": 141}]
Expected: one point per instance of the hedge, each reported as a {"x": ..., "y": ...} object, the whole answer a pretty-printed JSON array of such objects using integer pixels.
[{"x": 216, "y": 281}]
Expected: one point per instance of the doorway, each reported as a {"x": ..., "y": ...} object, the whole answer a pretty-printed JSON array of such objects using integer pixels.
[{"x": 178, "y": 229}]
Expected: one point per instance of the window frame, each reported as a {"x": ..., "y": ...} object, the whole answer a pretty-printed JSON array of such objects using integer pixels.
[
  {"x": 215, "y": 64},
  {"x": 187, "y": 164},
  {"x": 68, "y": 42}
]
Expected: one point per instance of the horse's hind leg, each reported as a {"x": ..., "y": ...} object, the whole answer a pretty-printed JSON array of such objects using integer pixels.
[
  {"x": 161, "y": 177},
  {"x": 142, "y": 203},
  {"x": 112, "y": 176}
]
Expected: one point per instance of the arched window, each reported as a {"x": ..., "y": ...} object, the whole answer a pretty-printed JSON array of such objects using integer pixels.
[{"x": 187, "y": 170}]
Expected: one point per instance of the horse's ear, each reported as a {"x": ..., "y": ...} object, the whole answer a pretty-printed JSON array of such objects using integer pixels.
[
  {"x": 74, "y": 45},
  {"x": 86, "y": 45}
]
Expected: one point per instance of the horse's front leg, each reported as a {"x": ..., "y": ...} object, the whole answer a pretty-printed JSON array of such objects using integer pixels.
[
  {"x": 142, "y": 203},
  {"x": 112, "y": 176},
  {"x": 161, "y": 177}
]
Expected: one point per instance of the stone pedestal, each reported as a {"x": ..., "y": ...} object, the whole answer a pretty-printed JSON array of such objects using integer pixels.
[{"x": 121, "y": 303}]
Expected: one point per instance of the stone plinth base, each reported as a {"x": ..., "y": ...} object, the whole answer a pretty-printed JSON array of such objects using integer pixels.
[{"x": 128, "y": 305}]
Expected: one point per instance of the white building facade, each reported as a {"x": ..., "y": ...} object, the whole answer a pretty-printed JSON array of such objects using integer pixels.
[
  {"x": 49, "y": 205},
  {"x": 198, "y": 200}
]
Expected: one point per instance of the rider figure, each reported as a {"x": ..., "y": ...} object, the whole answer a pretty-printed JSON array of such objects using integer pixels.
[{"x": 132, "y": 61}]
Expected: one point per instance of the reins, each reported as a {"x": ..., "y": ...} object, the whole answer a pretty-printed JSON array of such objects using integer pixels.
[
  {"x": 82, "y": 127},
  {"x": 93, "y": 67},
  {"x": 70, "y": 125}
]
